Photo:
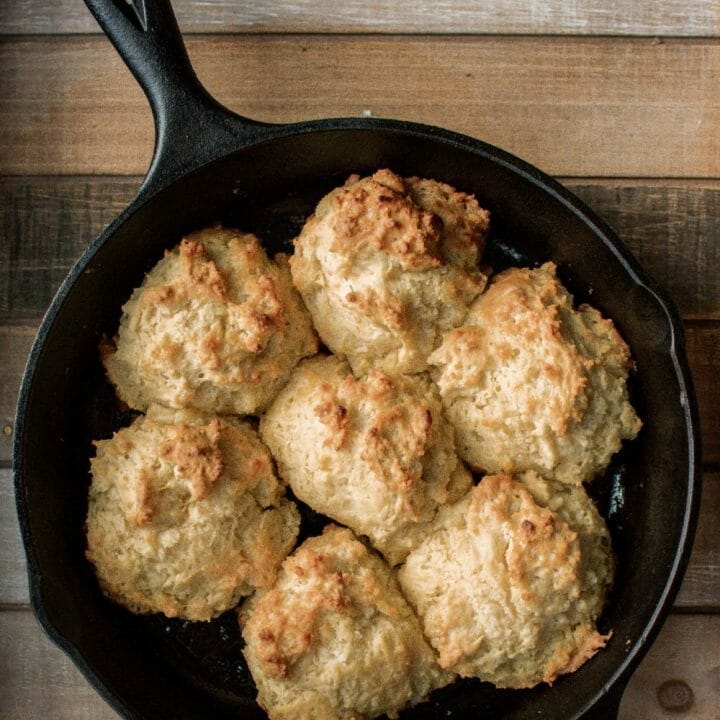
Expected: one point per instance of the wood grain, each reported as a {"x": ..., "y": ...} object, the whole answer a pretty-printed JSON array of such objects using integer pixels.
[
  {"x": 672, "y": 228},
  {"x": 703, "y": 349},
  {"x": 13, "y": 569},
  {"x": 37, "y": 680},
  {"x": 15, "y": 342},
  {"x": 591, "y": 17},
  {"x": 679, "y": 676},
  {"x": 40, "y": 676},
  {"x": 572, "y": 106},
  {"x": 46, "y": 223},
  {"x": 700, "y": 589}
]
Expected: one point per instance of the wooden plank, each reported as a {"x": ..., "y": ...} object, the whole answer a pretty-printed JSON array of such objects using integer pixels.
[
  {"x": 703, "y": 350},
  {"x": 46, "y": 224},
  {"x": 673, "y": 229},
  {"x": 13, "y": 573},
  {"x": 591, "y": 17},
  {"x": 700, "y": 589},
  {"x": 679, "y": 676},
  {"x": 681, "y": 665},
  {"x": 572, "y": 106},
  {"x": 37, "y": 680},
  {"x": 15, "y": 342}
]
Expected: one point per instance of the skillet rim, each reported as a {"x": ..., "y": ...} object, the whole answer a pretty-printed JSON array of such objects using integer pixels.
[{"x": 614, "y": 685}]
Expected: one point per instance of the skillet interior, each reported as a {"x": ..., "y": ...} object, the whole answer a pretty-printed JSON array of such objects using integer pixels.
[{"x": 152, "y": 668}]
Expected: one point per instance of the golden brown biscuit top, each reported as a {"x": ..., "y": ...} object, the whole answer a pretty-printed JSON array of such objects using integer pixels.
[
  {"x": 393, "y": 428},
  {"x": 534, "y": 305},
  {"x": 529, "y": 382},
  {"x": 182, "y": 453},
  {"x": 509, "y": 588},
  {"x": 326, "y": 575},
  {"x": 195, "y": 453},
  {"x": 378, "y": 215},
  {"x": 465, "y": 224},
  {"x": 186, "y": 514},
  {"x": 540, "y": 542},
  {"x": 199, "y": 272},
  {"x": 373, "y": 453},
  {"x": 421, "y": 223},
  {"x": 255, "y": 305},
  {"x": 382, "y": 275},
  {"x": 216, "y": 325}
]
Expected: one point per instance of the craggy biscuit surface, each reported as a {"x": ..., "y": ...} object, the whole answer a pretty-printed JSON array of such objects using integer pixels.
[
  {"x": 503, "y": 581},
  {"x": 530, "y": 383},
  {"x": 215, "y": 326},
  {"x": 334, "y": 639},
  {"x": 386, "y": 265},
  {"x": 511, "y": 580},
  {"x": 375, "y": 454},
  {"x": 186, "y": 515}
]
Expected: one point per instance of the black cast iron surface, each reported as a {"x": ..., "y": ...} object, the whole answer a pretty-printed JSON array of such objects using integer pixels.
[{"x": 266, "y": 179}]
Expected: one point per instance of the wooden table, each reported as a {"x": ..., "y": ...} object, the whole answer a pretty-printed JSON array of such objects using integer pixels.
[{"x": 620, "y": 99}]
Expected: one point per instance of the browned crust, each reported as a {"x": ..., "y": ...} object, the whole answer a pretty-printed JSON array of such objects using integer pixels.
[
  {"x": 587, "y": 642},
  {"x": 333, "y": 415},
  {"x": 542, "y": 537},
  {"x": 398, "y": 433},
  {"x": 216, "y": 325},
  {"x": 284, "y": 624},
  {"x": 377, "y": 212},
  {"x": 146, "y": 480},
  {"x": 458, "y": 210},
  {"x": 202, "y": 273},
  {"x": 196, "y": 453}
]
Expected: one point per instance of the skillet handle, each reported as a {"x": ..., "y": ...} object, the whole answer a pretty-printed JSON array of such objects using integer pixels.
[{"x": 191, "y": 127}]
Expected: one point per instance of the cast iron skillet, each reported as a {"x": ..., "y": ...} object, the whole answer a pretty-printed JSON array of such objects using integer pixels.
[{"x": 211, "y": 164}]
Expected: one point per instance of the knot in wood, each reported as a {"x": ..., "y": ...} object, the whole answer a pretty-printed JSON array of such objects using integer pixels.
[{"x": 675, "y": 696}]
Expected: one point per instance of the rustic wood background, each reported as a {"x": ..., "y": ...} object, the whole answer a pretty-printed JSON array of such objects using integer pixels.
[{"x": 620, "y": 99}]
